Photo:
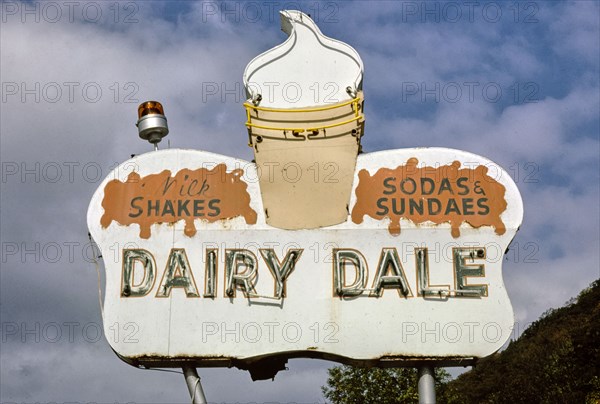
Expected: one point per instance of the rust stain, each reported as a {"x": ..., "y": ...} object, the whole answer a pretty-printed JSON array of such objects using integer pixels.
[
  {"x": 437, "y": 194},
  {"x": 205, "y": 194}
]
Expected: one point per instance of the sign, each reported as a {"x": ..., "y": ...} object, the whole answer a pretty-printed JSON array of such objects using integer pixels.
[
  {"x": 188, "y": 195},
  {"x": 436, "y": 194},
  {"x": 194, "y": 273}
]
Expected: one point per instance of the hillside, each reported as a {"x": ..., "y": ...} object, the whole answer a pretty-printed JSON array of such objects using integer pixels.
[{"x": 556, "y": 360}]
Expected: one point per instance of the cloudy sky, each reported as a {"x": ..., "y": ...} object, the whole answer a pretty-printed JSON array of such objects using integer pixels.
[{"x": 517, "y": 82}]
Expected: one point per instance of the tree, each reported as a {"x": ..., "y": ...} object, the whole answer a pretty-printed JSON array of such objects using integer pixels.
[
  {"x": 556, "y": 360},
  {"x": 350, "y": 385}
]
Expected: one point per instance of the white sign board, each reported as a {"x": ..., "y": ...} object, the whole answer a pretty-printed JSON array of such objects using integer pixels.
[{"x": 195, "y": 274}]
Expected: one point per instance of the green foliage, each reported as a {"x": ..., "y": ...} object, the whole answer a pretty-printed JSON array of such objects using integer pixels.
[
  {"x": 350, "y": 385},
  {"x": 556, "y": 360}
]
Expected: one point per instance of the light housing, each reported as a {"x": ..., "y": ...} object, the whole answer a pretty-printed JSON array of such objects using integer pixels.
[{"x": 152, "y": 123}]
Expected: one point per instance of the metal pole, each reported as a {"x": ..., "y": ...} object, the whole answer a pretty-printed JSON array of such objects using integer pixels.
[
  {"x": 194, "y": 386},
  {"x": 426, "y": 385}
]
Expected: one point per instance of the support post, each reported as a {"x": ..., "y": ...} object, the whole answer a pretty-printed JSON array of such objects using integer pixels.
[
  {"x": 426, "y": 384},
  {"x": 194, "y": 386}
]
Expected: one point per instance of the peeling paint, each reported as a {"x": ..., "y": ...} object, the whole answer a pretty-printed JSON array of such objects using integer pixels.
[
  {"x": 445, "y": 194},
  {"x": 210, "y": 195}
]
